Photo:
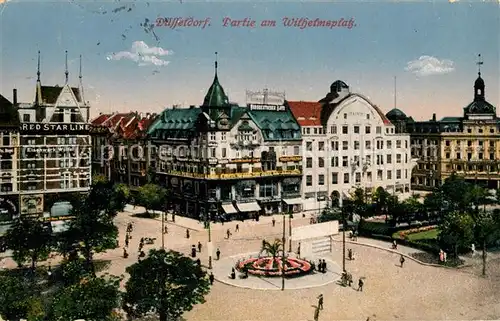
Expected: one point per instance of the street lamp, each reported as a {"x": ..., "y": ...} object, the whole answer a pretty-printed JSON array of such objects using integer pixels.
[
  {"x": 289, "y": 232},
  {"x": 208, "y": 216},
  {"x": 343, "y": 232},
  {"x": 283, "y": 257}
]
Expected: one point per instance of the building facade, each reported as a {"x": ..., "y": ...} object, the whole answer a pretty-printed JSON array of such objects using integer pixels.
[
  {"x": 349, "y": 143},
  {"x": 51, "y": 157},
  {"x": 221, "y": 159},
  {"x": 468, "y": 145}
]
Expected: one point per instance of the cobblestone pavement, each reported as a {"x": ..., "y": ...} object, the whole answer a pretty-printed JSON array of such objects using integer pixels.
[{"x": 414, "y": 292}]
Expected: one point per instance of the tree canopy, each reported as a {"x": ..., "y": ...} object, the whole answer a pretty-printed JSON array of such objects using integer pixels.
[
  {"x": 152, "y": 197},
  {"x": 164, "y": 283}
]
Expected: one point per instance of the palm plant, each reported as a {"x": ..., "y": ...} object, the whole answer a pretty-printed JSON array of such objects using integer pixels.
[{"x": 272, "y": 249}]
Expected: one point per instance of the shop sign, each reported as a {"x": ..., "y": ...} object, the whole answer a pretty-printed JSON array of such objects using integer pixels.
[
  {"x": 8, "y": 208},
  {"x": 54, "y": 128},
  {"x": 245, "y": 160},
  {"x": 212, "y": 144},
  {"x": 31, "y": 204},
  {"x": 267, "y": 107},
  {"x": 213, "y": 161},
  {"x": 290, "y": 158},
  {"x": 223, "y": 161},
  {"x": 48, "y": 150},
  {"x": 6, "y": 150}
]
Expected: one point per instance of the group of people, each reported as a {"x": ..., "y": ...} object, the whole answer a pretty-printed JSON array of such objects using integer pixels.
[
  {"x": 128, "y": 237},
  {"x": 321, "y": 267}
]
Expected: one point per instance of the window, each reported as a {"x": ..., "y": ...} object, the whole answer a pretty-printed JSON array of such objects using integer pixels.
[
  {"x": 458, "y": 156},
  {"x": 223, "y": 136},
  {"x": 335, "y": 161},
  {"x": 492, "y": 143},
  {"x": 369, "y": 176},
  {"x": 309, "y": 162},
  {"x": 480, "y": 130},
  {"x": 345, "y": 116},
  {"x": 389, "y": 144},
  {"x": 333, "y": 129},
  {"x": 345, "y": 145},
  {"x": 480, "y": 156},
  {"x": 447, "y": 155},
  {"x": 26, "y": 118},
  {"x": 224, "y": 153},
  {"x": 356, "y": 129},
  {"x": 296, "y": 150},
  {"x": 379, "y": 130},
  {"x": 492, "y": 155},
  {"x": 309, "y": 180},
  {"x": 335, "y": 145},
  {"x": 6, "y": 140},
  {"x": 398, "y": 174},
  {"x": 315, "y": 130},
  {"x": 368, "y": 144},
  {"x": 308, "y": 130},
  {"x": 469, "y": 130},
  {"x": 492, "y": 130},
  {"x": 345, "y": 130},
  {"x": 369, "y": 159},
  {"x": 398, "y": 144},
  {"x": 213, "y": 136},
  {"x": 321, "y": 145},
  {"x": 356, "y": 145},
  {"x": 309, "y": 146},
  {"x": 469, "y": 143},
  {"x": 368, "y": 129},
  {"x": 447, "y": 143},
  {"x": 389, "y": 159},
  {"x": 346, "y": 178},
  {"x": 283, "y": 151},
  {"x": 367, "y": 116},
  {"x": 398, "y": 158},
  {"x": 379, "y": 174},
  {"x": 335, "y": 178},
  {"x": 345, "y": 161},
  {"x": 358, "y": 177},
  {"x": 389, "y": 174},
  {"x": 321, "y": 162},
  {"x": 212, "y": 152},
  {"x": 321, "y": 179}
]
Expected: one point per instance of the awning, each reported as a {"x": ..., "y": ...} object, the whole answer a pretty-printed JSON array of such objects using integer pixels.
[
  {"x": 293, "y": 201},
  {"x": 229, "y": 208},
  {"x": 248, "y": 207}
]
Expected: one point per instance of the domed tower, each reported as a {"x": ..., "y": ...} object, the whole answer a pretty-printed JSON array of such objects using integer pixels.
[
  {"x": 398, "y": 118},
  {"x": 479, "y": 107},
  {"x": 216, "y": 103}
]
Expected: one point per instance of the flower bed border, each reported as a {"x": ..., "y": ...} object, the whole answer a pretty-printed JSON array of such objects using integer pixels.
[{"x": 248, "y": 265}]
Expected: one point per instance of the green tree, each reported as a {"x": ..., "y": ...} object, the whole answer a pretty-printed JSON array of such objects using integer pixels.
[
  {"x": 456, "y": 231},
  {"x": 152, "y": 197},
  {"x": 29, "y": 240},
  {"x": 272, "y": 248},
  {"x": 167, "y": 283},
  {"x": 359, "y": 201},
  {"x": 433, "y": 204},
  {"x": 92, "y": 299},
  {"x": 108, "y": 197},
  {"x": 380, "y": 197},
  {"x": 330, "y": 214},
  {"x": 19, "y": 299},
  {"x": 457, "y": 194},
  {"x": 486, "y": 232},
  {"x": 92, "y": 229}
]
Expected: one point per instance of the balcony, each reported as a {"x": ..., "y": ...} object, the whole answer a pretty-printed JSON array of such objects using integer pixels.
[
  {"x": 284, "y": 159},
  {"x": 237, "y": 175}
]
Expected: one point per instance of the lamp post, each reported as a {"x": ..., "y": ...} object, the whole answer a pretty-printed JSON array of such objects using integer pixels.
[
  {"x": 163, "y": 230},
  {"x": 208, "y": 217},
  {"x": 343, "y": 231},
  {"x": 283, "y": 257},
  {"x": 290, "y": 232}
]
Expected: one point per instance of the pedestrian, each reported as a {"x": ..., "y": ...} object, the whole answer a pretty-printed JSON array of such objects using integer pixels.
[
  {"x": 349, "y": 254},
  {"x": 402, "y": 260},
  {"x": 320, "y": 266},
  {"x": 228, "y": 233},
  {"x": 173, "y": 218},
  {"x": 126, "y": 241},
  {"x": 199, "y": 246},
  {"x": 198, "y": 262},
  {"x": 217, "y": 253},
  {"x": 193, "y": 251},
  {"x": 360, "y": 285},
  {"x": 187, "y": 233},
  {"x": 324, "y": 266},
  {"x": 349, "y": 279},
  {"x": 125, "y": 254},
  {"x": 165, "y": 231},
  {"x": 211, "y": 278},
  {"x": 320, "y": 302},
  {"x": 298, "y": 251},
  {"x": 274, "y": 222},
  {"x": 237, "y": 228}
]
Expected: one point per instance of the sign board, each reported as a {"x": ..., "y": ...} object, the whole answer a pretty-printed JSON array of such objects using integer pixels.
[
  {"x": 54, "y": 128},
  {"x": 31, "y": 204},
  {"x": 267, "y": 107},
  {"x": 265, "y": 97},
  {"x": 6, "y": 150},
  {"x": 8, "y": 207},
  {"x": 315, "y": 231}
]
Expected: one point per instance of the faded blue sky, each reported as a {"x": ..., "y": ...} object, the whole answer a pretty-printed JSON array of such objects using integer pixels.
[{"x": 431, "y": 48}]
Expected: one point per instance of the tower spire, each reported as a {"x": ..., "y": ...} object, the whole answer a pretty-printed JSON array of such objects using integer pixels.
[
  {"x": 395, "y": 91},
  {"x": 216, "y": 63},
  {"x": 80, "y": 73},
  {"x": 38, "y": 68},
  {"x": 479, "y": 63},
  {"x": 81, "y": 82},
  {"x": 66, "y": 70}
]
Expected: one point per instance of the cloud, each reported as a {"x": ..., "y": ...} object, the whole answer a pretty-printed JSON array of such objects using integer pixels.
[
  {"x": 428, "y": 65},
  {"x": 144, "y": 55}
]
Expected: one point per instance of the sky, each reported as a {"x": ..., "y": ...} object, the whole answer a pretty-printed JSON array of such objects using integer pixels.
[{"x": 131, "y": 64}]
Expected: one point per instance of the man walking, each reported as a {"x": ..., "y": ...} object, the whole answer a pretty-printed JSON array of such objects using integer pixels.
[
  {"x": 237, "y": 228},
  {"x": 211, "y": 278},
  {"x": 217, "y": 253},
  {"x": 274, "y": 222},
  {"x": 199, "y": 246},
  {"x": 320, "y": 302},
  {"x": 402, "y": 260},
  {"x": 228, "y": 233},
  {"x": 360, "y": 285}
]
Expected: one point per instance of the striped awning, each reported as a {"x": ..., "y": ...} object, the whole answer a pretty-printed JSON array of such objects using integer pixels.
[
  {"x": 248, "y": 207},
  {"x": 293, "y": 201}
]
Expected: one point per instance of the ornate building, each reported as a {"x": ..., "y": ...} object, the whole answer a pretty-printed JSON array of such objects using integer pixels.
[
  {"x": 51, "y": 147},
  {"x": 224, "y": 159},
  {"x": 349, "y": 143},
  {"x": 467, "y": 145}
]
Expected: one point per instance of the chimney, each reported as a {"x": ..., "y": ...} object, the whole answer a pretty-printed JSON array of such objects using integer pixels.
[
  {"x": 434, "y": 117},
  {"x": 14, "y": 96}
]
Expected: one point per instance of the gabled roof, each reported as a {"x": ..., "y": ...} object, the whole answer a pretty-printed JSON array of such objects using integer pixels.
[
  {"x": 176, "y": 119},
  {"x": 49, "y": 94},
  {"x": 100, "y": 119},
  {"x": 276, "y": 125},
  {"x": 307, "y": 113},
  {"x": 9, "y": 117}
]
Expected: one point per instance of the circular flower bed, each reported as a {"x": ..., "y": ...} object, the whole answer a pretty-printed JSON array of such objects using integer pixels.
[{"x": 269, "y": 266}]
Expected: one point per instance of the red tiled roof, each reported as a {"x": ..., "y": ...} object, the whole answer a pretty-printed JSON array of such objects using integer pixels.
[
  {"x": 307, "y": 113},
  {"x": 100, "y": 119}
]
